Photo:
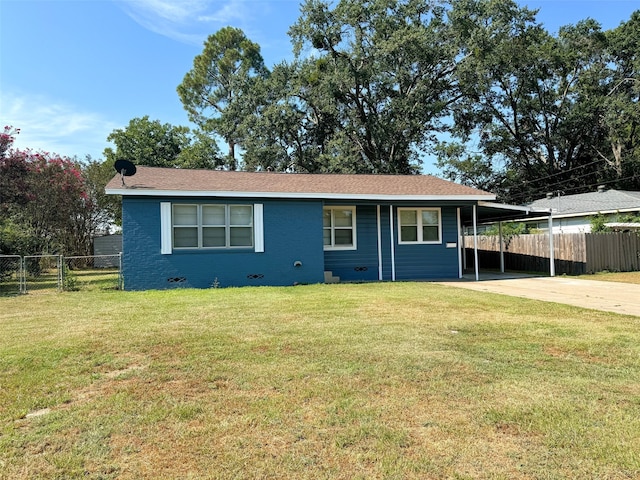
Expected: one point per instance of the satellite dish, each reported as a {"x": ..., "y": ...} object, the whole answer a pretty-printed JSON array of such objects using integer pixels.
[{"x": 125, "y": 168}]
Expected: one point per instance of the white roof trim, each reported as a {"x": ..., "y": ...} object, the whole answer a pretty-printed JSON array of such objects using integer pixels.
[
  {"x": 302, "y": 195},
  {"x": 580, "y": 214},
  {"x": 504, "y": 206}
]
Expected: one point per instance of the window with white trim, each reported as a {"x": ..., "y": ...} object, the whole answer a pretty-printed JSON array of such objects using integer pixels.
[
  {"x": 212, "y": 226},
  {"x": 419, "y": 225},
  {"x": 339, "y": 228}
]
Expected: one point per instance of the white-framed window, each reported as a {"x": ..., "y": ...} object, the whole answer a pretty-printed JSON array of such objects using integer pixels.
[
  {"x": 419, "y": 225},
  {"x": 339, "y": 228},
  {"x": 212, "y": 226}
]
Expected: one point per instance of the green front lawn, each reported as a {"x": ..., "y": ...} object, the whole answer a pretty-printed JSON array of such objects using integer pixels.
[{"x": 403, "y": 380}]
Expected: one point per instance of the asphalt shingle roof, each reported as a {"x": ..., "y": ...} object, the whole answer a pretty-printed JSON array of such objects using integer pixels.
[
  {"x": 590, "y": 203},
  {"x": 154, "y": 180}
]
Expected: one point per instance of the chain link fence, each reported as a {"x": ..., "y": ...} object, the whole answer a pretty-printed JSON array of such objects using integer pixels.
[
  {"x": 55, "y": 273},
  {"x": 94, "y": 272},
  {"x": 10, "y": 274},
  {"x": 42, "y": 273}
]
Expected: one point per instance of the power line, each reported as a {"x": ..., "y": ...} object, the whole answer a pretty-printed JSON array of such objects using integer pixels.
[
  {"x": 606, "y": 182},
  {"x": 562, "y": 172},
  {"x": 551, "y": 185},
  {"x": 591, "y": 186},
  {"x": 556, "y": 185}
]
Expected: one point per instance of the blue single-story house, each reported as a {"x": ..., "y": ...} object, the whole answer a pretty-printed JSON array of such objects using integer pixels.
[{"x": 203, "y": 228}]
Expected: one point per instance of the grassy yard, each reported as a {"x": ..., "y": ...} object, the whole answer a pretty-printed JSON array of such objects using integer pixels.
[
  {"x": 393, "y": 381},
  {"x": 625, "y": 277}
]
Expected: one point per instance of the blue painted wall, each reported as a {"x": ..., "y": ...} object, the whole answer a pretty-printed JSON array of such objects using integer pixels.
[
  {"x": 430, "y": 261},
  {"x": 292, "y": 232},
  {"x": 360, "y": 264},
  {"x": 412, "y": 262}
]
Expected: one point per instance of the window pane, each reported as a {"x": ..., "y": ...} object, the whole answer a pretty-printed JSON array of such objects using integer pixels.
[
  {"x": 326, "y": 218},
  {"x": 430, "y": 234},
  {"x": 408, "y": 217},
  {"x": 241, "y": 237},
  {"x": 185, "y": 237},
  {"x": 429, "y": 217},
  {"x": 213, "y": 215},
  {"x": 185, "y": 215},
  {"x": 342, "y": 218},
  {"x": 240, "y": 215},
  {"x": 344, "y": 237},
  {"x": 326, "y": 236},
  {"x": 213, "y": 237},
  {"x": 409, "y": 234}
]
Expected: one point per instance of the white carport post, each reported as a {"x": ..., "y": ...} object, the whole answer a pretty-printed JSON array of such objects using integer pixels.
[
  {"x": 501, "y": 247},
  {"x": 475, "y": 241},
  {"x": 393, "y": 245},
  {"x": 552, "y": 255},
  {"x": 379, "y": 244},
  {"x": 460, "y": 244}
]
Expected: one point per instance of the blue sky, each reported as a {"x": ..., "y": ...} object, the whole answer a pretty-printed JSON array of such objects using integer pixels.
[{"x": 72, "y": 71}]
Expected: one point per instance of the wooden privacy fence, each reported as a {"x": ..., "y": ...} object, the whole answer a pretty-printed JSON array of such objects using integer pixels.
[{"x": 575, "y": 253}]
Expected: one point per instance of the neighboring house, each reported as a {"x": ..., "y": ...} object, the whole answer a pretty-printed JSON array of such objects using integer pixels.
[
  {"x": 573, "y": 213},
  {"x": 105, "y": 247},
  {"x": 203, "y": 228}
]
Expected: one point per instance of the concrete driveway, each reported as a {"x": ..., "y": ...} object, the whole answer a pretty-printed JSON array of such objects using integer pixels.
[{"x": 608, "y": 296}]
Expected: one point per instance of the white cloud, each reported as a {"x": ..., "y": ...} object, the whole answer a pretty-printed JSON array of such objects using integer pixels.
[
  {"x": 55, "y": 127},
  {"x": 232, "y": 12},
  {"x": 170, "y": 9},
  {"x": 187, "y": 21}
]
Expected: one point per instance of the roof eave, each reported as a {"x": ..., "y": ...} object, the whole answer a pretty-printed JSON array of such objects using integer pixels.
[
  {"x": 292, "y": 195},
  {"x": 515, "y": 208}
]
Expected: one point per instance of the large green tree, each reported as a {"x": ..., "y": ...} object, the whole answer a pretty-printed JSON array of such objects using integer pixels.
[
  {"x": 537, "y": 110},
  {"x": 376, "y": 85},
  {"x": 292, "y": 126},
  {"x": 201, "y": 152},
  {"x": 152, "y": 143},
  {"x": 215, "y": 91},
  {"x": 505, "y": 76},
  {"x": 621, "y": 104},
  {"x": 381, "y": 77}
]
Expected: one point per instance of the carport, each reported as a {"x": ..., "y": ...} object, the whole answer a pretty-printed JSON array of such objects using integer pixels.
[{"x": 491, "y": 212}]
